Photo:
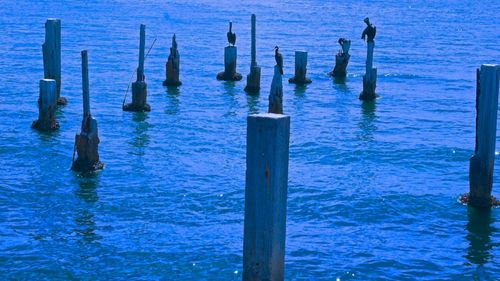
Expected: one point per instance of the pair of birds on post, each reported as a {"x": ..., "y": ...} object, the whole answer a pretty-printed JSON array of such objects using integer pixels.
[{"x": 231, "y": 39}]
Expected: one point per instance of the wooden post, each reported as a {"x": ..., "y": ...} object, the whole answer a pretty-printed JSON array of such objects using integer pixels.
[
  {"x": 253, "y": 78},
  {"x": 139, "y": 87},
  {"x": 268, "y": 137},
  {"x": 172, "y": 66},
  {"x": 276, "y": 93},
  {"x": 47, "y": 103},
  {"x": 300, "y": 69},
  {"x": 370, "y": 77},
  {"x": 341, "y": 60},
  {"x": 483, "y": 160},
  {"x": 86, "y": 143},
  {"x": 51, "y": 50},
  {"x": 229, "y": 73}
]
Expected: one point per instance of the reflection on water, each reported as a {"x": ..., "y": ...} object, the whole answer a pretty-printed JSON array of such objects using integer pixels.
[
  {"x": 84, "y": 219},
  {"x": 233, "y": 102},
  {"x": 253, "y": 104},
  {"x": 341, "y": 87},
  {"x": 340, "y": 80},
  {"x": 366, "y": 124},
  {"x": 87, "y": 187},
  {"x": 299, "y": 90},
  {"x": 141, "y": 138},
  {"x": 479, "y": 232},
  {"x": 173, "y": 100}
]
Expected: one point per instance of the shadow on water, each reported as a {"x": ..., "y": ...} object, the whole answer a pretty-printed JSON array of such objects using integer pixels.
[
  {"x": 141, "y": 138},
  {"x": 479, "y": 231},
  {"x": 173, "y": 100},
  {"x": 253, "y": 104},
  {"x": 85, "y": 218},
  {"x": 368, "y": 109}
]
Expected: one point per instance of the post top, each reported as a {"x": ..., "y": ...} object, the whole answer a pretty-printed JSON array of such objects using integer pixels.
[
  {"x": 48, "y": 80},
  {"x": 268, "y": 116},
  {"x": 53, "y": 19},
  {"x": 487, "y": 65},
  {"x": 300, "y": 51}
]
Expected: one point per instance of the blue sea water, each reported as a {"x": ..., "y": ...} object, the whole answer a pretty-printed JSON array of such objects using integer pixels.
[{"x": 373, "y": 187}]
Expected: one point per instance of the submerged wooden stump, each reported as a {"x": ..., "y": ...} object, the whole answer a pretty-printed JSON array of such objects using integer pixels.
[
  {"x": 47, "y": 103},
  {"x": 300, "y": 69},
  {"x": 229, "y": 73}
]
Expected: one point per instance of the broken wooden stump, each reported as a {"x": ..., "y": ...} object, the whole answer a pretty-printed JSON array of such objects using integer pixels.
[
  {"x": 172, "y": 66},
  {"x": 47, "y": 103},
  {"x": 300, "y": 69}
]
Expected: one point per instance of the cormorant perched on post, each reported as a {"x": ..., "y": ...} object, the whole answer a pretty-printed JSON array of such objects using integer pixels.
[
  {"x": 369, "y": 32},
  {"x": 231, "y": 36},
  {"x": 279, "y": 59}
]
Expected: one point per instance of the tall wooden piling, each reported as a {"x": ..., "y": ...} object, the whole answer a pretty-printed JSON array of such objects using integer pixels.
[
  {"x": 276, "y": 93},
  {"x": 139, "y": 87},
  {"x": 370, "y": 77},
  {"x": 51, "y": 50},
  {"x": 483, "y": 160},
  {"x": 253, "y": 78},
  {"x": 300, "y": 69},
  {"x": 47, "y": 103},
  {"x": 172, "y": 66},
  {"x": 268, "y": 137},
  {"x": 86, "y": 143},
  {"x": 341, "y": 59}
]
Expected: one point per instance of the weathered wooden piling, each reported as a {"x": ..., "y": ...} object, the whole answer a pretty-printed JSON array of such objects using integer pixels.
[
  {"x": 370, "y": 77},
  {"x": 47, "y": 103},
  {"x": 139, "y": 87},
  {"x": 276, "y": 93},
  {"x": 172, "y": 66},
  {"x": 86, "y": 143},
  {"x": 300, "y": 69},
  {"x": 230, "y": 55},
  {"x": 253, "y": 78},
  {"x": 483, "y": 160},
  {"x": 341, "y": 59},
  {"x": 268, "y": 138},
  {"x": 51, "y": 51}
]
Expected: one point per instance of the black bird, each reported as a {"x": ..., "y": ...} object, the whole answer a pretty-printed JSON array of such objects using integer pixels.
[
  {"x": 279, "y": 59},
  {"x": 231, "y": 36}
]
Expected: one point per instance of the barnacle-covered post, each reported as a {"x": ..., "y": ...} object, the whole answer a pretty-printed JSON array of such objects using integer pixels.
[
  {"x": 253, "y": 78},
  {"x": 139, "y": 87},
  {"x": 172, "y": 66},
  {"x": 86, "y": 143},
  {"x": 482, "y": 162}
]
